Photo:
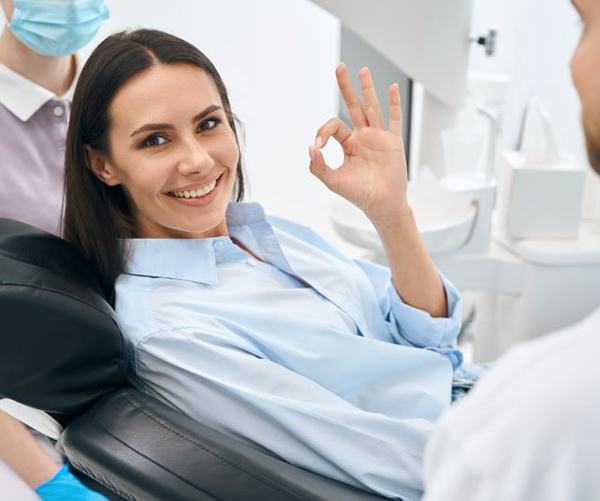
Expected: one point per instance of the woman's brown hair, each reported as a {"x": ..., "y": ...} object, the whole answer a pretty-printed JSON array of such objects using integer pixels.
[{"x": 97, "y": 217}]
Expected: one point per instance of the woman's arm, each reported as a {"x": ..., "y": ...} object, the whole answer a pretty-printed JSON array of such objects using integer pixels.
[
  {"x": 415, "y": 278},
  {"x": 369, "y": 438},
  {"x": 374, "y": 178}
]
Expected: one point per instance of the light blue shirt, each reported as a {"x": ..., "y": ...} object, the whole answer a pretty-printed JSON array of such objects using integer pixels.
[{"x": 340, "y": 377}]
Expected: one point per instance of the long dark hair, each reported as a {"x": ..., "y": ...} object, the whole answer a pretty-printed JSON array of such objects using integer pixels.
[{"x": 97, "y": 217}]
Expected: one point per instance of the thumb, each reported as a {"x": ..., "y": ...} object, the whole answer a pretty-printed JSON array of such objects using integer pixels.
[{"x": 320, "y": 169}]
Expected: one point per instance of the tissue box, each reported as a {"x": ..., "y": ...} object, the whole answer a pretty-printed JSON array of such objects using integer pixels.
[{"x": 541, "y": 200}]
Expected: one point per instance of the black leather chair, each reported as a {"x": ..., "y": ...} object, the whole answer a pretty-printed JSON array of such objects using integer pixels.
[{"x": 61, "y": 351}]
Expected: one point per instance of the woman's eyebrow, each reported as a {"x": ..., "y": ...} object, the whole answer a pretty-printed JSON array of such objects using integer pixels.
[
  {"x": 154, "y": 127},
  {"x": 206, "y": 111}
]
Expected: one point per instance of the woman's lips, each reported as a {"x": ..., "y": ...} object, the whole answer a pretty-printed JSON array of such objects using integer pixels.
[{"x": 200, "y": 201}]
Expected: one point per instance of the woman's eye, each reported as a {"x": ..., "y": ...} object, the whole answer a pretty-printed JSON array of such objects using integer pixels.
[
  {"x": 154, "y": 140},
  {"x": 209, "y": 123}
]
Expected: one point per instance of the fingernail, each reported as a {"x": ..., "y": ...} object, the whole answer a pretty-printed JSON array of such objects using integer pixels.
[
  {"x": 319, "y": 142},
  {"x": 311, "y": 154}
]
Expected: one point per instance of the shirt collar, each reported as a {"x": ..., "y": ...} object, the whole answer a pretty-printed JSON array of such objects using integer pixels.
[
  {"x": 244, "y": 213},
  {"x": 192, "y": 259},
  {"x": 23, "y": 98}
]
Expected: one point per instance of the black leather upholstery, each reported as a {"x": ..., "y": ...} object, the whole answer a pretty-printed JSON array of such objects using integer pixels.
[
  {"x": 61, "y": 348},
  {"x": 152, "y": 452}
]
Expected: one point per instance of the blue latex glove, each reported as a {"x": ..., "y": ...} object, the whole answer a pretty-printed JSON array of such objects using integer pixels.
[{"x": 64, "y": 486}]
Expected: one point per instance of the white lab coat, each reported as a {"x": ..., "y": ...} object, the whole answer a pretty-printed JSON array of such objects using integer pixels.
[{"x": 530, "y": 429}]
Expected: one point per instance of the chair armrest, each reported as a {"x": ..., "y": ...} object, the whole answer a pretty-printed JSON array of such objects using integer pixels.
[{"x": 143, "y": 449}]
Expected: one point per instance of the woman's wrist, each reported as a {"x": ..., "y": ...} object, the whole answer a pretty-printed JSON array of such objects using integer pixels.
[{"x": 392, "y": 216}]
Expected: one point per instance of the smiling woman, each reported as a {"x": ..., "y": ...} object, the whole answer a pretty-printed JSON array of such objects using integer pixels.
[
  {"x": 249, "y": 323},
  {"x": 189, "y": 159},
  {"x": 160, "y": 134}
]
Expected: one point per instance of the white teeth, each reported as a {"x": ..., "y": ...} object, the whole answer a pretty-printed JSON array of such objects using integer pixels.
[{"x": 196, "y": 193}]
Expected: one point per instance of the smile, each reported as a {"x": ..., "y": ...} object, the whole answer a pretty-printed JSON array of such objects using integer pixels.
[
  {"x": 202, "y": 195},
  {"x": 196, "y": 193}
]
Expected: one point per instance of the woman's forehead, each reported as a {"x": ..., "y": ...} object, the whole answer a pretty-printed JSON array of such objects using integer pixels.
[{"x": 163, "y": 90}]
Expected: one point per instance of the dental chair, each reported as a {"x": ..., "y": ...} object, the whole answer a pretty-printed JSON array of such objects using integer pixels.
[{"x": 61, "y": 351}]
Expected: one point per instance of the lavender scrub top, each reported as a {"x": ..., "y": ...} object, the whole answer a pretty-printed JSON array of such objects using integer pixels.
[{"x": 33, "y": 129}]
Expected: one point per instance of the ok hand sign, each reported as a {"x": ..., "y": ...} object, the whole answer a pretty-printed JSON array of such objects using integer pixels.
[{"x": 373, "y": 175}]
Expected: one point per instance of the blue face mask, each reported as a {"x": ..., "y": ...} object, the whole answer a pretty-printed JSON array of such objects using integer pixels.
[{"x": 57, "y": 27}]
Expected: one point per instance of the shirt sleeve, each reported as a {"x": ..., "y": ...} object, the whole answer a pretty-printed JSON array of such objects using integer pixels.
[
  {"x": 260, "y": 402},
  {"x": 528, "y": 431},
  {"x": 412, "y": 326}
]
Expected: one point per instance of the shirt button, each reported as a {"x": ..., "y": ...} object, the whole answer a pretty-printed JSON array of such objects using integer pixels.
[
  {"x": 58, "y": 111},
  {"x": 251, "y": 262},
  {"x": 219, "y": 244}
]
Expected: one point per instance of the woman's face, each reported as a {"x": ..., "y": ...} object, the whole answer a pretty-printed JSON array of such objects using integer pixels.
[{"x": 173, "y": 151}]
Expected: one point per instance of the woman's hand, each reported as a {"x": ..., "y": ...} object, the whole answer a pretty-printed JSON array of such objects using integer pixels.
[{"x": 373, "y": 176}]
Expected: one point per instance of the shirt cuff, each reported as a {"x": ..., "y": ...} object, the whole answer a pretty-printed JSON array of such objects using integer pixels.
[{"x": 421, "y": 329}]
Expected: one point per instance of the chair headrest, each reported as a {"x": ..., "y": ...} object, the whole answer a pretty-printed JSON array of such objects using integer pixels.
[
  {"x": 60, "y": 345},
  {"x": 26, "y": 243}
]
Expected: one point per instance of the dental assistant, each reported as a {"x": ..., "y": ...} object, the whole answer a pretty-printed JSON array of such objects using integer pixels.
[{"x": 38, "y": 70}]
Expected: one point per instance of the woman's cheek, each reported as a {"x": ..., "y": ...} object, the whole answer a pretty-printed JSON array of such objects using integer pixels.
[{"x": 230, "y": 146}]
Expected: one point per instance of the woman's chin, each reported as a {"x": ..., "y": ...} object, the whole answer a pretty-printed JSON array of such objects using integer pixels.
[{"x": 208, "y": 229}]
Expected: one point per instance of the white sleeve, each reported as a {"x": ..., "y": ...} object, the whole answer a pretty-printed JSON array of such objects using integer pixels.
[{"x": 529, "y": 431}]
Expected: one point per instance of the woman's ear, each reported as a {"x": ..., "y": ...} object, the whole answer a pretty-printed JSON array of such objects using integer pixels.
[{"x": 98, "y": 164}]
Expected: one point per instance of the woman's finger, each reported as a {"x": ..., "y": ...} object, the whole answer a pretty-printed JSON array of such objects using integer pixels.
[
  {"x": 355, "y": 108},
  {"x": 371, "y": 103},
  {"x": 333, "y": 127},
  {"x": 395, "y": 110},
  {"x": 337, "y": 129},
  {"x": 321, "y": 170}
]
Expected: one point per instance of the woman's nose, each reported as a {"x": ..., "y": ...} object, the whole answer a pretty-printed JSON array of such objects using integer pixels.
[{"x": 195, "y": 158}]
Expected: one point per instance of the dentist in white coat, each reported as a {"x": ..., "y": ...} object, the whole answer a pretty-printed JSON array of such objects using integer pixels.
[{"x": 530, "y": 430}]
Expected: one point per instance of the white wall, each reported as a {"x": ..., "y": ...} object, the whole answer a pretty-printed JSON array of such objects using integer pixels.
[
  {"x": 536, "y": 41},
  {"x": 277, "y": 59}
]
